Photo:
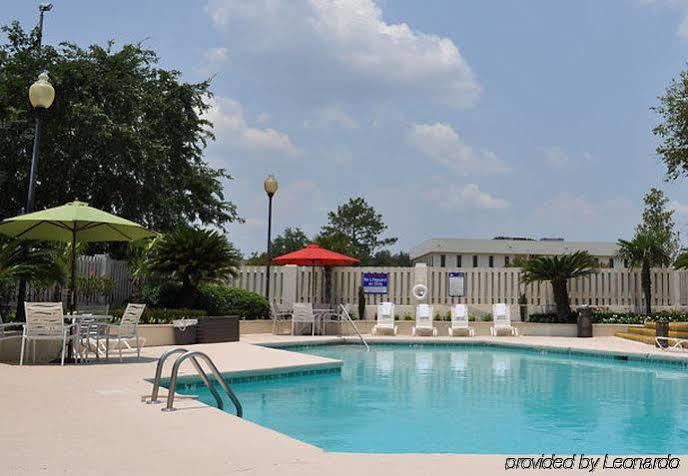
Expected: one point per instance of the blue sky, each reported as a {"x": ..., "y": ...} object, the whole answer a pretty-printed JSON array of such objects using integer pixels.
[{"x": 454, "y": 119}]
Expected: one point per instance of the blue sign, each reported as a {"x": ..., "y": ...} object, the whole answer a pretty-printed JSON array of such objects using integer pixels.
[{"x": 375, "y": 283}]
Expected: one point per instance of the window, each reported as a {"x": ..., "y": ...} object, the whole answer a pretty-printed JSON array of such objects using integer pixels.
[
  {"x": 611, "y": 262},
  {"x": 597, "y": 262},
  {"x": 507, "y": 261},
  {"x": 475, "y": 261},
  {"x": 491, "y": 261},
  {"x": 458, "y": 261},
  {"x": 625, "y": 263},
  {"x": 443, "y": 261}
]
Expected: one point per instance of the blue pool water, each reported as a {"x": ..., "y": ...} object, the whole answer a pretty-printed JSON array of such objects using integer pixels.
[{"x": 474, "y": 399}]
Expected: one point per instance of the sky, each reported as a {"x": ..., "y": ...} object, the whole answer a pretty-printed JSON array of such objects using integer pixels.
[{"x": 466, "y": 119}]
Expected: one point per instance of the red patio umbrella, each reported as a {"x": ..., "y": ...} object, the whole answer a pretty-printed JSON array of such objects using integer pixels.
[{"x": 314, "y": 255}]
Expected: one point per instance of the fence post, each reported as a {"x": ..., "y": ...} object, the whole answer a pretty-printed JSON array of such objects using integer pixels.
[
  {"x": 420, "y": 276},
  {"x": 290, "y": 273},
  {"x": 675, "y": 289}
]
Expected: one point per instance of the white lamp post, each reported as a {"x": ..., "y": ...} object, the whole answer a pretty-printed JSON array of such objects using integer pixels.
[{"x": 41, "y": 95}]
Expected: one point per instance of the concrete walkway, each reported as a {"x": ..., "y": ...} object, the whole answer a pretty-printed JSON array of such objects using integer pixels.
[{"x": 90, "y": 419}]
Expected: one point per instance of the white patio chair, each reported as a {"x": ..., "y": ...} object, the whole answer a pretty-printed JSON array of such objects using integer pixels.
[
  {"x": 278, "y": 313},
  {"x": 424, "y": 317},
  {"x": 459, "y": 321},
  {"x": 6, "y": 331},
  {"x": 665, "y": 343},
  {"x": 501, "y": 320},
  {"x": 92, "y": 328},
  {"x": 127, "y": 329},
  {"x": 303, "y": 314},
  {"x": 385, "y": 319},
  {"x": 45, "y": 321}
]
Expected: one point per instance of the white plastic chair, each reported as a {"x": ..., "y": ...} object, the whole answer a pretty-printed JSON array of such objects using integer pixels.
[
  {"x": 279, "y": 314},
  {"x": 385, "y": 318},
  {"x": 128, "y": 328},
  {"x": 424, "y": 317},
  {"x": 303, "y": 314},
  {"x": 45, "y": 321},
  {"x": 459, "y": 321},
  {"x": 501, "y": 320}
]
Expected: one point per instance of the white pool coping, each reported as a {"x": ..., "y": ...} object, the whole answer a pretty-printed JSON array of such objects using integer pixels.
[{"x": 90, "y": 419}]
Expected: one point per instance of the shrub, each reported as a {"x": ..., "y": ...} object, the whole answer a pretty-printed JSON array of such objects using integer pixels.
[
  {"x": 600, "y": 316},
  {"x": 408, "y": 317},
  {"x": 152, "y": 315},
  {"x": 218, "y": 300},
  {"x": 161, "y": 293},
  {"x": 486, "y": 317}
]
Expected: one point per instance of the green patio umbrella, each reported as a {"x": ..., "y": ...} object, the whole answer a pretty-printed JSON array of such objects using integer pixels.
[{"x": 73, "y": 222}]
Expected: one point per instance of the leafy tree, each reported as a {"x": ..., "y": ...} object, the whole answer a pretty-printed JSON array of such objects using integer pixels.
[
  {"x": 34, "y": 262},
  {"x": 672, "y": 130},
  {"x": 682, "y": 260},
  {"x": 659, "y": 219},
  {"x": 558, "y": 270},
  {"x": 193, "y": 257},
  {"x": 647, "y": 249},
  {"x": 291, "y": 239},
  {"x": 355, "y": 226},
  {"x": 386, "y": 258},
  {"x": 123, "y": 134}
]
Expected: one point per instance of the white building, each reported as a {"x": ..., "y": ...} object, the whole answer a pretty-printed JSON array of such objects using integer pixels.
[{"x": 499, "y": 253}]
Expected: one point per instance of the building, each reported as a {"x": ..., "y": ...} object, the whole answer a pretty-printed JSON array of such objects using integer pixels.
[{"x": 502, "y": 252}]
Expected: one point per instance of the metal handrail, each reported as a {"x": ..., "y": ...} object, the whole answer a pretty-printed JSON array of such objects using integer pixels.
[
  {"x": 348, "y": 317},
  {"x": 216, "y": 373},
  {"x": 199, "y": 369}
]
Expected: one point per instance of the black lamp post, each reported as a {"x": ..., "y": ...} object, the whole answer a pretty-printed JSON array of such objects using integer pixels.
[
  {"x": 270, "y": 185},
  {"x": 41, "y": 95}
]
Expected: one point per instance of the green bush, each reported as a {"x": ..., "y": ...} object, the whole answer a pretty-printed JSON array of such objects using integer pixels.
[
  {"x": 218, "y": 300},
  {"x": 152, "y": 315},
  {"x": 161, "y": 293},
  {"x": 608, "y": 317}
]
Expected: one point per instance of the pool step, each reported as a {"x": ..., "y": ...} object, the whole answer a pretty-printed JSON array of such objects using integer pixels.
[
  {"x": 636, "y": 337},
  {"x": 677, "y": 326},
  {"x": 647, "y": 331}
]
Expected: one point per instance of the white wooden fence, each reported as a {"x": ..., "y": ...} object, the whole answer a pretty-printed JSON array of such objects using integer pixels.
[{"x": 614, "y": 288}]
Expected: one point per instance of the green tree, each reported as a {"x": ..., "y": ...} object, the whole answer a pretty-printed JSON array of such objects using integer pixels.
[
  {"x": 355, "y": 225},
  {"x": 37, "y": 263},
  {"x": 291, "y": 239},
  {"x": 672, "y": 130},
  {"x": 123, "y": 134},
  {"x": 659, "y": 219},
  {"x": 386, "y": 258},
  {"x": 646, "y": 250},
  {"x": 193, "y": 257},
  {"x": 558, "y": 270}
]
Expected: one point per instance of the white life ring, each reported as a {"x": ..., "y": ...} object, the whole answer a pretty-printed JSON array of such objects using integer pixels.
[{"x": 420, "y": 292}]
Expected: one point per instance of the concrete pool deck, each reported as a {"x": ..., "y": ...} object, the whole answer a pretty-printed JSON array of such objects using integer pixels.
[{"x": 89, "y": 419}]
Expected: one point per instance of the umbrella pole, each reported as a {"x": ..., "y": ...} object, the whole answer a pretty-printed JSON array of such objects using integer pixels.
[{"x": 72, "y": 281}]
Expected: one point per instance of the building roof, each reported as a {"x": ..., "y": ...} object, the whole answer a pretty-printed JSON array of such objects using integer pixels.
[{"x": 511, "y": 247}]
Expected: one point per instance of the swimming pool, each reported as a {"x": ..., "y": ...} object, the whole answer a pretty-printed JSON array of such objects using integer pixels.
[{"x": 473, "y": 399}]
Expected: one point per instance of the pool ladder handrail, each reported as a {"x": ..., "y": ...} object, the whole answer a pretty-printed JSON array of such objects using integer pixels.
[
  {"x": 348, "y": 318},
  {"x": 193, "y": 355}
]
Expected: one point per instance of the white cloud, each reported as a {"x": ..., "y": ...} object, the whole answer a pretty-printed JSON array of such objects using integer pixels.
[
  {"x": 681, "y": 6},
  {"x": 217, "y": 55},
  {"x": 332, "y": 116},
  {"x": 231, "y": 128},
  {"x": 326, "y": 47},
  {"x": 579, "y": 211},
  {"x": 462, "y": 196},
  {"x": 559, "y": 158},
  {"x": 443, "y": 144}
]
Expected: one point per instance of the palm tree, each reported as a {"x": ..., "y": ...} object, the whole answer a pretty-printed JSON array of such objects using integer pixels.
[
  {"x": 558, "y": 270},
  {"x": 193, "y": 257},
  {"x": 647, "y": 249}
]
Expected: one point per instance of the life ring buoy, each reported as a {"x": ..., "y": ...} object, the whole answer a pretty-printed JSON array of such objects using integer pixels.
[{"x": 420, "y": 291}]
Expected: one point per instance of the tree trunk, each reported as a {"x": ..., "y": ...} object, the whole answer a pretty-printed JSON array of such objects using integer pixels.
[
  {"x": 646, "y": 284},
  {"x": 561, "y": 300}
]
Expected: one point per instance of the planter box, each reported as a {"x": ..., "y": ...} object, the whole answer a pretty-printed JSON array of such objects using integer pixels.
[{"x": 217, "y": 329}]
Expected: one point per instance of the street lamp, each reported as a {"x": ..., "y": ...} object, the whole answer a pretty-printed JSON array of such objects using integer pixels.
[
  {"x": 41, "y": 95},
  {"x": 270, "y": 185}
]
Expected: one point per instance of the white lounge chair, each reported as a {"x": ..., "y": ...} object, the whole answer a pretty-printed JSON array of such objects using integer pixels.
[
  {"x": 127, "y": 329},
  {"x": 385, "y": 319},
  {"x": 664, "y": 343},
  {"x": 45, "y": 321},
  {"x": 501, "y": 320},
  {"x": 459, "y": 321},
  {"x": 303, "y": 314},
  {"x": 424, "y": 316}
]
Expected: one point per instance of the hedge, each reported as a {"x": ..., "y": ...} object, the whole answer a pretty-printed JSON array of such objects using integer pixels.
[
  {"x": 152, "y": 315},
  {"x": 220, "y": 300},
  {"x": 609, "y": 317}
]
